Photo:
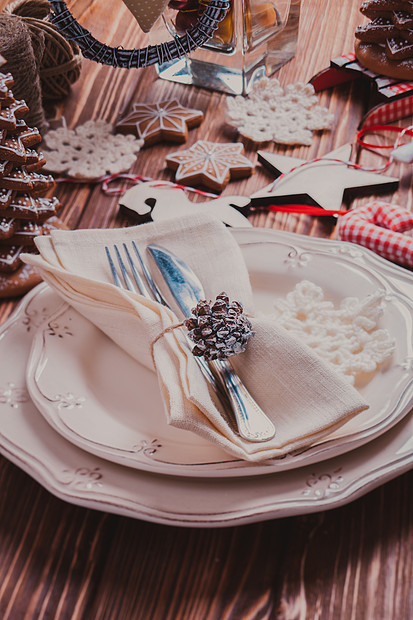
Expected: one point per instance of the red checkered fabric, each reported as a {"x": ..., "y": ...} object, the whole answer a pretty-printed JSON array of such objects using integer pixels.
[
  {"x": 379, "y": 226},
  {"x": 389, "y": 112}
]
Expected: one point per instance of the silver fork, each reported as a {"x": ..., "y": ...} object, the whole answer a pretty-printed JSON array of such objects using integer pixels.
[{"x": 250, "y": 421}]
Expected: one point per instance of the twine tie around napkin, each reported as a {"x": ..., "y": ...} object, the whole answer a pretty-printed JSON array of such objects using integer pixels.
[{"x": 304, "y": 397}]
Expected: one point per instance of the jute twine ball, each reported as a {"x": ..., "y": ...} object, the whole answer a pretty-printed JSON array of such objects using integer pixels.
[
  {"x": 60, "y": 64},
  {"x": 21, "y": 53}
]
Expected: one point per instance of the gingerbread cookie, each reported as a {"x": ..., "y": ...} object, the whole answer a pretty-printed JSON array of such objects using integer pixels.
[
  {"x": 24, "y": 213},
  {"x": 155, "y": 122},
  {"x": 7, "y": 228},
  {"x": 18, "y": 283},
  {"x": 385, "y": 45},
  {"x": 210, "y": 164},
  {"x": 374, "y": 57}
]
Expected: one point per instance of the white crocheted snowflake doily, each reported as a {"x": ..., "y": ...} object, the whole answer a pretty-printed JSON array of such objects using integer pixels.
[
  {"x": 271, "y": 113},
  {"x": 348, "y": 337},
  {"x": 90, "y": 151}
]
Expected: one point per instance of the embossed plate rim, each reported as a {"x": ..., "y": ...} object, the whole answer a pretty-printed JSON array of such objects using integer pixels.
[{"x": 80, "y": 478}]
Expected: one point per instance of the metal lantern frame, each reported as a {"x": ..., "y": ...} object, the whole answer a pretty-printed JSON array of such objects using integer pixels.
[{"x": 161, "y": 53}]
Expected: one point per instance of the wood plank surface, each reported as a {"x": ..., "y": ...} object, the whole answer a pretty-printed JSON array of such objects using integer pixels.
[{"x": 64, "y": 562}]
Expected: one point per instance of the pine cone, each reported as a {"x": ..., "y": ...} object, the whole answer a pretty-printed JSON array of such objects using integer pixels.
[{"x": 219, "y": 330}]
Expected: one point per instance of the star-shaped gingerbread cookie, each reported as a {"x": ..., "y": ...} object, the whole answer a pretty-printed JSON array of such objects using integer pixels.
[
  {"x": 211, "y": 164},
  {"x": 154, "y": 122}
]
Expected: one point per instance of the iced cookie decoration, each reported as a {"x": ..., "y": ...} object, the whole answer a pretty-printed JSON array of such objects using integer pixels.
[
  {"x": 385, "y": 44},
  {"x": 380, "y": 227},
  {"x": 287, "y": 115},
  {"x": 167, "y": 121},
  {"x": 146, "y": 12},
  {"x": 211, "y": 164},
  {"x": 90, "y": 151},
  {"x": 24, "y": 211}
]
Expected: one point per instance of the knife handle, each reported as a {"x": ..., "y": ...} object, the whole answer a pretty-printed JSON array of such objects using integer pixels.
[{"x": 253, "y": 424}]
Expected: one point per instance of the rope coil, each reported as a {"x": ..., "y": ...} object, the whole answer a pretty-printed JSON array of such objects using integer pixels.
[{"x": 139, "y": 58}]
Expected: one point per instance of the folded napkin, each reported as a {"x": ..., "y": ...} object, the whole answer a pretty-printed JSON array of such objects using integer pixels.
[{"x": 304, "y": 397}]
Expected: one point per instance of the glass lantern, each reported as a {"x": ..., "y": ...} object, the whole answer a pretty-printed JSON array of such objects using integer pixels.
[{"x": 254, "y": 40}]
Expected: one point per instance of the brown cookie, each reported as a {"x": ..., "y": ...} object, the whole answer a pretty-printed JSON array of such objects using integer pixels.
[
  {"x": 10, "y": 258},
  {"x": 164, "y": 121},
  {"x": 11, "y": 111},
  {"x": 383, "y": 8},
  {"x": 211, "y": 164},
  {"x": 402, "y": 19},
  {"x": 26, "y": 232},
  {"x": 7, "y": 227},
  {"x": 398, "y": 48},
  {"x": 374, "y": 57},
  {"x": 6, "y": 80},
  {"x": 24, "y": 206},
  {"x": 35, "y": 160},
  {"x": 18, "y": 283},
  {"x": 6, "y": 196},
  {"x": 5, "y": 168},
  {"x": 21, "y": 180},
  {"x": 377, "y": 31},
  {"x": 25, "y": 277}
]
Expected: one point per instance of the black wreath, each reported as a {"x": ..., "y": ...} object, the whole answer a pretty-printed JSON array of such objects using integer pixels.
[{"x": 164, "y": 52}]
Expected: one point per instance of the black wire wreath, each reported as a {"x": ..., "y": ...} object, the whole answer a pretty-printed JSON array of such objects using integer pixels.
[{"x": 163, "y": 52}]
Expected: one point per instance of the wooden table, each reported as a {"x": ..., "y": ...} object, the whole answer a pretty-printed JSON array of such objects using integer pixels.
[{"x": 59, "y": 561}]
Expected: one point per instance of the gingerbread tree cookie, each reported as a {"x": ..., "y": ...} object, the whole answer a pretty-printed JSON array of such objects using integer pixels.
[
  {"x": 24, "y": 211},
  {"x": 385, "y": 44}
]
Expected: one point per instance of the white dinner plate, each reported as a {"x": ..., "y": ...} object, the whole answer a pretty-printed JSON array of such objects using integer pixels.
[
  {"x": 98, "y": 398},
  {"x": 83, "y": 479}
]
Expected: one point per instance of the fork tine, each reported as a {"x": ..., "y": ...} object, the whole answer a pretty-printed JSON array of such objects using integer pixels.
[
  {"x": 115, "y": 276},
  {"x": 136, "y": 276},
  {"x": 127, "y": 280}
]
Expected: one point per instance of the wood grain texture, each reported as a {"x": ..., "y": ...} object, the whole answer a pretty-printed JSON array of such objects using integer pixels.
[{"x": 63, "y": 562}]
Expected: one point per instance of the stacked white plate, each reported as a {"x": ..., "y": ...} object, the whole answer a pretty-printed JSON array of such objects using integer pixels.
[{"x": 86, "y": 421}]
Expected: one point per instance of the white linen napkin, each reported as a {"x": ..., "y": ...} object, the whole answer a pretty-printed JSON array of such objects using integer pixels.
[{"x": 303, "y": 396}]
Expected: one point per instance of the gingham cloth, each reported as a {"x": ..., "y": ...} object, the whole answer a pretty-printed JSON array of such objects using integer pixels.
[{"x": 379, "y": 226}]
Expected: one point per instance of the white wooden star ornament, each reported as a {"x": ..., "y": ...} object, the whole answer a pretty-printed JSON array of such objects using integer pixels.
[
  {"x": 323, "y": 183},
  {"x": 146, "y": 12},
  {"x": 152, "y": 201}
]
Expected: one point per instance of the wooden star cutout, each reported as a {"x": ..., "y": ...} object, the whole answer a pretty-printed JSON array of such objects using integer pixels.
[
  {"x": 323, "y": 183},
  {"x": 210, "y": 163},
  {"x": 153, "y": 122}
]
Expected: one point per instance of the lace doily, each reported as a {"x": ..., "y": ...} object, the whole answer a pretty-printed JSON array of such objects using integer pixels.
[
  {"x": 89, "y": 151},
  {"x": 348, "y": 337},
  {"x": 286, "y": 116}
]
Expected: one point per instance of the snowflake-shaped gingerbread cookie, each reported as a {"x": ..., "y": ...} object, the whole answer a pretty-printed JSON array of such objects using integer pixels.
[
  {"x": 210, "y": 163},
  {"x": 90, "y": 151},
  {"x": 154, "y": 122},
  {"x": 284, "y": 115}
]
